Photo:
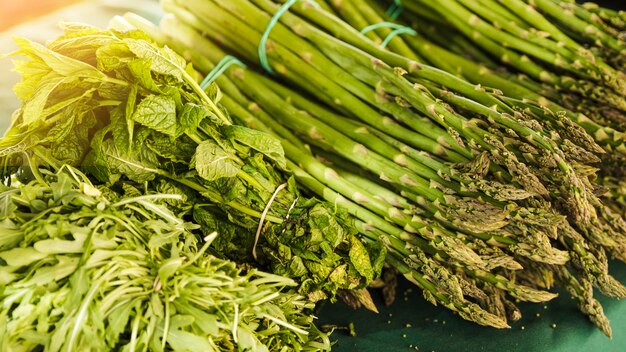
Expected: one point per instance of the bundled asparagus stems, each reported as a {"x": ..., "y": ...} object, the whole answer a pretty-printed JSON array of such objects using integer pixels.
[
  {"x": 84, "y": 268},
  {"x": 428, "y": 144},
  {"x": 455, "y": 55},
  {"x": 566, "y": 50},
  {"x": 511, "y": 39},
  {"x": 129, "y": 112}
]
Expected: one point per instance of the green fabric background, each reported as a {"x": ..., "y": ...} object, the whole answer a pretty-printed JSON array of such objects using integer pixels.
[{"x": 437, "y": 329}]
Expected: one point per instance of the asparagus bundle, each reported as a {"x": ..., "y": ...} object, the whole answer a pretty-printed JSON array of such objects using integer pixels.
[
  {"x": 602, "y": 121},
  {"x": 551, "y": 49},
  {"x": 127, "y": 111},
  {"x": 85, "y": 268},
  {"x": 517, "y": 94},
  {"x": 572, "y": 32},
  {"x": 210, "y": 16}
]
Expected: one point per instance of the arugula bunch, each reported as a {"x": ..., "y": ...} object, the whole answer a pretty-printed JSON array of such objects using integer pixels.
[
  {"x": 84, "y": 269},
  {"x": 128, "y": 112}
]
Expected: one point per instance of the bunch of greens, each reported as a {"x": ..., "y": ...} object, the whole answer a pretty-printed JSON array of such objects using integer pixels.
[
  {"x": 85, "y": 268},
  {"x": 128, "y": 112},
  {"x": 444, "y": 170}
]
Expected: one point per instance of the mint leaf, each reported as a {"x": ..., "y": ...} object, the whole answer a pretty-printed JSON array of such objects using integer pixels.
[
  {"x": 140, "y": 69},
  {"x": 157, "y": 112},
  {"x": 163, "y": 61},
  {"x": 179, "y": 150},
  {"x": 191, "y": 117},
  {"x": 259, "y": 141},
  {"x": 33, "y": 108},
  {"x": 63, "y": 65},
  {"x": 113, "y": 56},
  {"x": 212, "y": 162}
]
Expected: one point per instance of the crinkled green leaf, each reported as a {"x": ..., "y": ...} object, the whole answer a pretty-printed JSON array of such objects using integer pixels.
[
  {"x": 157, "y": 112},
  {"x": 191, "y": 117},
  {"x": 180, "y": 150},
  {"x": 107, "y": 162},
  {"x": 212, "y": 162},
  {"x": 259, "y": 141},
  {"x": 113, "y": 56},
  {"x": 163, "y": 60},
  {"x": 140, "y": 69}
]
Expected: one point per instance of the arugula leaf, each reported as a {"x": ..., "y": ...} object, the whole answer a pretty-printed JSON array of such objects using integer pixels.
[{"x": 212, "y": 162}]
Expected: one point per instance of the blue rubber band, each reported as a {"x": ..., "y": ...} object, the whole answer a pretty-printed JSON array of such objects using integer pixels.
[
  {"x": 395, "y": 9},
  {"x": 397, "y": 29},
  {"x": 220, "y": 68},
  {"x": 262, "y": 52}
]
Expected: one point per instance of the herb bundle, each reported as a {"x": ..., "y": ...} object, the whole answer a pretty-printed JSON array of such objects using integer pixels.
[
  {"x": 126, "y": 111},
  {"x": 84, "y": 268}
]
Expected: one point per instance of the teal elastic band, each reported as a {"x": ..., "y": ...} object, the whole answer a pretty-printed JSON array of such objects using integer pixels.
[
  {"x": 395, "y": 9},
  {"x": 397, "y": 29},
  {"x": 262, "y": 53},
  {"x": 222, "y": 66}
]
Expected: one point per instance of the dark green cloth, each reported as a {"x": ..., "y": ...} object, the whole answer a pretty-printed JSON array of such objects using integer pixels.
[{"x": 413, "y": 321}]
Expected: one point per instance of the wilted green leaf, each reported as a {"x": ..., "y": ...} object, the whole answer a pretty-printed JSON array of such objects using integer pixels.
[{"x": 361, "y": 259}]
